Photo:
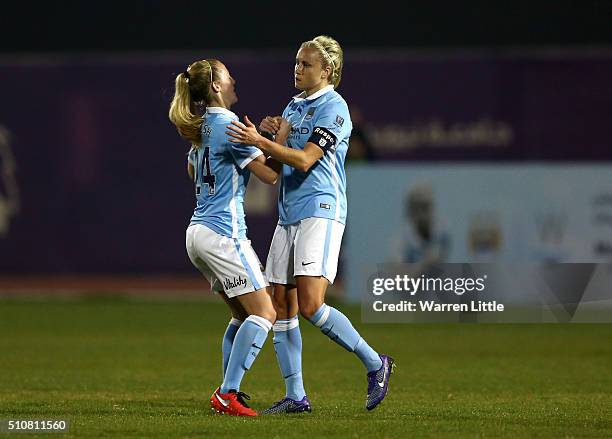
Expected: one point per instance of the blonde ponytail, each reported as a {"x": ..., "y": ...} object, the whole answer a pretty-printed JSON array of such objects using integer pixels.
[
  {"x": 181, "y": 112},
  {"x": 191, "y": 86}
]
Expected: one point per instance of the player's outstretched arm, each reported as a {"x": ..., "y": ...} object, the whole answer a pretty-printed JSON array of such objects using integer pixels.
[{"x": 299, "y": 159}]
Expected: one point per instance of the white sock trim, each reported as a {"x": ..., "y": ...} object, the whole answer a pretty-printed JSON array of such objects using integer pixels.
[
  {"x": 324, "y": 317},
  {"x": 259, "y": 321},
  {"x": 235, "y": 322},
  {"x": 286, "y": 324}
]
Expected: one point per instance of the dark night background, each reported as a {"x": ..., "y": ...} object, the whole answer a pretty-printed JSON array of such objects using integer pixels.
[{"x": 188, "y": 25}]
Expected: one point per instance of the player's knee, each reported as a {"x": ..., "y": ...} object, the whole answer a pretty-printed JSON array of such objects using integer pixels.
[
  {"x": 269, "y": 314},
  {"x": 308, "y": 306},
  {"x": 307, "y": 310},
  {"x": 280, "y": 304}
]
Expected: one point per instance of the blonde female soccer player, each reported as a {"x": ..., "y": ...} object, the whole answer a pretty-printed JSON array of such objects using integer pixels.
[
  {"x": 303, "y": 256},
  {"x": 216, "y": 237}
]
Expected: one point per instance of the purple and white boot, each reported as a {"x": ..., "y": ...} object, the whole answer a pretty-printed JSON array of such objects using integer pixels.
[
  {"x": 288, "y": 405},
  {"x": 378, "y": 382}
]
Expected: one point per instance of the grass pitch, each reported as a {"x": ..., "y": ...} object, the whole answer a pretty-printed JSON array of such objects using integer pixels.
[{"x": 119, "y": 368}]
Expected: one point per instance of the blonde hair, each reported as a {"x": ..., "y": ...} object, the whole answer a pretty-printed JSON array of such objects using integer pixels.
[
  {"x": 190, "y": 87},
  {"x": 331, "y": 55}
]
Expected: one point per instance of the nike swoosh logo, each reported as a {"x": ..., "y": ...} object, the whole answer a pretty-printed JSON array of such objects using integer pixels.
[
  {"x": 303, "y": 265},
  {"x": 382, "y": 383},
  {"x": 222, "y": 401}
]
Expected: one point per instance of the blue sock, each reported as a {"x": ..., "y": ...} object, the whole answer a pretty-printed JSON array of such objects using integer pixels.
[
  {"x": 248, "y": 342},
  {"x": 338, "y": 327},
  {"x": 228, "y": 341},
  {"x": 288, "y": 347}
]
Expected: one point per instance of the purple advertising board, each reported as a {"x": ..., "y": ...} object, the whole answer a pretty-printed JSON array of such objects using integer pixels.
[{"x": 93, "y": 173}]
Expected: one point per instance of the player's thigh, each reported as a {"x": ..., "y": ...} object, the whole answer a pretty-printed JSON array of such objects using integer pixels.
[
  {"x": 199, "y": 262},
  {"x": 284, "y": 298},
  {"x": 232, "y": 261},
  {"x": 317, "y": 248},
  {"x": 258, "y": 303},
  {"x": 279, "y": 264}
]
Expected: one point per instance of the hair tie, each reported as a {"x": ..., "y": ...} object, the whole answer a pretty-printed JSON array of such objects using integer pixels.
[{"x": 186, "y": 75}]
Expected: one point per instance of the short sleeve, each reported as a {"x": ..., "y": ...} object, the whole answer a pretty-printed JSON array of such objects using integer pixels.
[
  {"x": 244, "y": 154},
  {"x": 330, "y": 127}
]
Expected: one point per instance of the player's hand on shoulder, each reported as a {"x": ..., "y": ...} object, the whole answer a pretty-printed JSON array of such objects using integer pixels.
[{"x": 244, "y": 133}]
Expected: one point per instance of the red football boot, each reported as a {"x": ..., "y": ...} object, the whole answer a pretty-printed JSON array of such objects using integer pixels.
[{"x": 231, "y": 403}]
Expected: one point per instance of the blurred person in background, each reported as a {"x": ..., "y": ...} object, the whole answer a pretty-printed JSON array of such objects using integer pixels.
[
  {"x": 216, "y": 239},
  {"x": 553, "y": 243},
  {"x": 303, "y": 255},
  {"x": 485, "y": 237},
  {"x": 422, "y": 239}
]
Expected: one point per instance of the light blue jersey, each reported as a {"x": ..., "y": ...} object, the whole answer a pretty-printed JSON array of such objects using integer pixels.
[
  {"x": 324, "y": 120},
  {"x": 220, "y": 176}
]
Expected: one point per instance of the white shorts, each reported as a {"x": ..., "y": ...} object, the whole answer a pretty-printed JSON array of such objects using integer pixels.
[
  {"x": 229, "y": 264},
  {"x": 308, "y": 248}
]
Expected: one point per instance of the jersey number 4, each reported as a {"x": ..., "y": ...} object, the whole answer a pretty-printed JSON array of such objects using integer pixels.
[{"x": 207, "y": 177}]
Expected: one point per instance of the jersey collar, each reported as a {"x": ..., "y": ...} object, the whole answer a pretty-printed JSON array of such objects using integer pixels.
[
  {"x": 220, "y": 110},
  {"x": 300, "y": 97}
]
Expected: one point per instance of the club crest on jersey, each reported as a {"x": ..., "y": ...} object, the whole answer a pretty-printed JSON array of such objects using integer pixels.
[
  {"x": 339, "y": 120},
  {"x": 206, "y": 130},
  {"x": 310, "y": 113}
]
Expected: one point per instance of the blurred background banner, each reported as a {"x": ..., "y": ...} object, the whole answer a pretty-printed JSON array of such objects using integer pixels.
[
  {"x": 518, "y": 106},
  {"x": 94, "y": 178},
  {"x": 475, "y": 213}
]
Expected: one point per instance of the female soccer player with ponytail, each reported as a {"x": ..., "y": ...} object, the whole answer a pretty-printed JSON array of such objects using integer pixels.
[
  {"x": 304, "y": 252},
  {"x": 216, "y": 237}
]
